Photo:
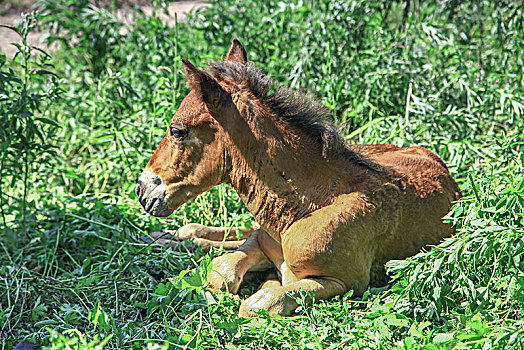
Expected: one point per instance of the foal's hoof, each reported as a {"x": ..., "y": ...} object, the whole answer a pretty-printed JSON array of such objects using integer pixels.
[
  {"x": 273, "y": 300},
  {"x": 223, "y": 276},
  {"x": 192, "y": 231},
  {"x": 165, "y": 239}
]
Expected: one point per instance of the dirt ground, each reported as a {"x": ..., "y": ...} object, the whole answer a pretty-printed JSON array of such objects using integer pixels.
[{"x": 10, "y": 13}]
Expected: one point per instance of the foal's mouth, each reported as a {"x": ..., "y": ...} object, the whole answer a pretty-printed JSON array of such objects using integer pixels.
[{"x": 152, "y": 194}]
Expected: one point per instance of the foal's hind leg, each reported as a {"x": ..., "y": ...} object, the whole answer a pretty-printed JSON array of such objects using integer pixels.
[
  {"x": 275, "y": 299},
  {"x": 228, "y": 238}
]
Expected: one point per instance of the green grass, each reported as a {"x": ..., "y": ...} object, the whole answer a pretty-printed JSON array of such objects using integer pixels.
[{"x": 448, "y": 76}]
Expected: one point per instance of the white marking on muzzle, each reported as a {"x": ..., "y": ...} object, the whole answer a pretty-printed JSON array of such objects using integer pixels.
[{"x": 152, "y": 194}]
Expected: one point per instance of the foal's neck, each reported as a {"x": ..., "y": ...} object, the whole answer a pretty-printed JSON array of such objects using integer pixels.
[{"x": 281, "y": 175}]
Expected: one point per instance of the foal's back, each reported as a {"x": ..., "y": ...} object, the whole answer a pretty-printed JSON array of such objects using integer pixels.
[
  {"x": 413, "y": 166},
  {"x": 425, "y": 190}
]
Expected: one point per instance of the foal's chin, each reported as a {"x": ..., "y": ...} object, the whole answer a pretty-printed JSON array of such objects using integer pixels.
[
  {"x": 165, "y": 206},
  {"x": 157, "y": 205},
  {"x": 160, "y": 210}
]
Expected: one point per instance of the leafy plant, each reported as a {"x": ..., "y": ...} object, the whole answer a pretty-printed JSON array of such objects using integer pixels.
[
  {"x": 74, "y": 339},
  {"x": 26, "y": 131}
]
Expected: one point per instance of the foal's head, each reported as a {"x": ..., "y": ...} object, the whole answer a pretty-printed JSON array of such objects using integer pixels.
[{"x": 192, "y": 157}]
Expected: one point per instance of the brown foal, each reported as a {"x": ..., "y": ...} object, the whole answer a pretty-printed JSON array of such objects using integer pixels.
[{"x": 330, "y": 214}]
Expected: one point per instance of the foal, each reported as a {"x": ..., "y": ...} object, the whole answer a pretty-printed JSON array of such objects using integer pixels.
[{"x": 330, "y": 214}]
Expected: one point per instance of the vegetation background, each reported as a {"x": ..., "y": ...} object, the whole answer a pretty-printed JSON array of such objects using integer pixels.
[{"x": 78, "y": 125}]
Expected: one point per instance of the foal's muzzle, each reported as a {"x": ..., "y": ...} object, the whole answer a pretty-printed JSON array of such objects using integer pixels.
[{"x": 151, "y": 193}]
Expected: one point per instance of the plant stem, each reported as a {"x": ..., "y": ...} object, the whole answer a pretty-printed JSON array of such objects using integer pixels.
[
  {"x": 2, "y": 193},
  {"x": 24, "y": 200},
  {"x": 28, "y": 129}
]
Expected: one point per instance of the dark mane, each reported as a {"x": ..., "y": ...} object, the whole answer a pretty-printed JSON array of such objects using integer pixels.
[{"x": 302, "y": 111}]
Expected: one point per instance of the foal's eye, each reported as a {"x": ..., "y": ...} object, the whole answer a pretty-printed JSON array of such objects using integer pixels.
[{"x": 177, "y": 132}]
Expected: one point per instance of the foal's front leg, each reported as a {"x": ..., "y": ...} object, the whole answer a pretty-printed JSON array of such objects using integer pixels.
[
  {"x": 229, "y": 269},
  {"x": 203, "y": 236},
  {"x": 328, "y": 252},
  {"x": 213, "y": 233}
]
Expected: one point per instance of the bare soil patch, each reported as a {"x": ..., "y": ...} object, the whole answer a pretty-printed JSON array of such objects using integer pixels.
[{"x": 11, "y": 11}]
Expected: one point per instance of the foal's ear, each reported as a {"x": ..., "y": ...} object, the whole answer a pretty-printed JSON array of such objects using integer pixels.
[
  {"x": 204, "y": 84},
  {"x": 236, "y": 52}
]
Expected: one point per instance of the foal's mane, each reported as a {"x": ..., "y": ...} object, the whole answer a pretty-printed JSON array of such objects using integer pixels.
[{"x": 301, "y": 111}]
